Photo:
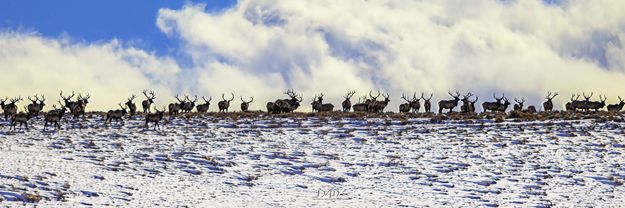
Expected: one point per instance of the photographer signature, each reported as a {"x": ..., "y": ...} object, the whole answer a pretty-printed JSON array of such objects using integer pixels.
[{"x": 332, "y": 193}]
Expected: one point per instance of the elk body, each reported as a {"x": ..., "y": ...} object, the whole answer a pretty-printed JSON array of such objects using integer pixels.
[
  {"x": 148, "y": 101},
  {"x": 347, "y": 103},
  {"x": 117, "y": 115},
  {"x": 154, "y": 118},
  {"x": 21, "y": 118},
  {"x": 131, "y": 106},
  {"x": 519, "y": 104},
  {"x": 188, "y": 105},
  {"x": 174, "y": 108},
  {"x": 378, "y": 106},
  {"x": 203, "y": 108},
  {"x": 371, "y": 103},
  {"x": 37, "y": 105},
  {"x": 449, "y": 104},
  {"x": 472, "y": 105},
  {"x": 405, "y": 107},
  {"x": 465, "y": 107},
  {"x": 584, "y": 106},
  {"x": 415, "y": 103},
  {"x": 285, "y": 105},
  {"x": 9, "y": 109},
  {"x": 427, "y": 105},
  {"x": 616, "y": 107},
  {"x": 574, "y": 104},
  {"x": 596, "y": 105},
  {"x": 360, "y": 106},
  {"x": 224, "y": 104},
  {"x": 493, "y": 106},
  {"x": 245, "y": 105},
  {"x": 80, "y": 107},
  {"x": 548, "y": 105},
  {"x": 320, "y": 106},
  {"x": 54, "y": 116}
]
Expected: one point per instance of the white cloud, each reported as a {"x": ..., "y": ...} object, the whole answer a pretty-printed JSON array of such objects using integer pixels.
[{"x": 260, "y": 48}]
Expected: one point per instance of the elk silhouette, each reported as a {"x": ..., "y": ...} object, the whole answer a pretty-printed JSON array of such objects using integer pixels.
[
  {"x": 415, "y": 103},
  {"x": 324, "y": 107},
  {"x": 347, "y": 103},
  {"x": 584, "y": 104},
  {"x": 379, "y": 106},
  {"x": 472, "y": 105},
  {"x": 548, "y": 105},
  {"x": 117, "y": 115},
  {"x": 174, "y": 108},
  {"x": 371, "y": 103},
  {"x": 616, "y": 107},
  {"x": 574, "y": 104},
  {"x": 225, "y": 103},
  {"x": 21, "y": 118},
  {"x": 148, "y": 101},
  {"x": 54, "y": 116},
  {"x": 405, "y": 107},
  {"x": 427, "y": 105},
  {"x": 203, "y": 108},
  {"x": 493, "y": 106},
  {"x": 80, "y": 106},
  {"x": 285, "y": 105},
  {"x": 465, "y": 107},
  {"x": 449, "y": 104},
  {"x": 597, "y": 105},
  {"x": 37, "y": 105},
  {"x": 188, "y": 105},
  {"x": 154, "y": 118},
  {"x": 519, "y": 104},
  {"x": 9, "y": 109},
  {"x": 360, "y": 106},
  {"x": 131, "y": 106},
  {"x": 245, "y": 105}
]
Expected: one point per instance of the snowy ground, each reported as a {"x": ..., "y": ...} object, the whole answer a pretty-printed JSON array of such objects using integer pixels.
[{"x": 302, "y": 162}]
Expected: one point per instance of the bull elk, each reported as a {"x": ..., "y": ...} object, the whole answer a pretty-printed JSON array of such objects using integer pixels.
[
  {"x": 548, "y": 105},
  {"x": 224, "y": 104},
  {"x": 9, "y": 109},
  {"x": 347, "y": 103},
  {"x": 519, "y": 104},
  {"x": 584, "y": 104},
  {"x": 449, "y": 104},
  {"x": 188, "y": 105},
  {"x": 323, "y": 107},
  {"x": 285, "y": 105},
  {"x": 174, "y": 108},
  {"x": 574, "y": 104},
  {"x": 464, "y": 108},
  {"x": 405, "y": 107},
  {"x": 415, "y": 103},
  {"x": 426, "y": 102},
  {"x": 203, "y": 108},
  {"x": 360, "y": 106},
  {"x": 472, "y": 105},
  {"x": 80, "y": 106},
  {"x": 148, "y": 101},
  {"x": 616, "y": 107},
  {"x": 371, "y": 103},
  {"x": 493, "y": 106},
  {"x": 37, "y": 105},
  {"x": 117, "y": 115},
  {"x": 131, "y": 106},
  {"x": 245, "y": 105},
  {"x": 154, "y": 118},
  {"x": 596, "y": 105}
]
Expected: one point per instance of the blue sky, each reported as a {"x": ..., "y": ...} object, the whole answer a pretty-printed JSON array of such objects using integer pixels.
[{"x": 94, "y": 21}]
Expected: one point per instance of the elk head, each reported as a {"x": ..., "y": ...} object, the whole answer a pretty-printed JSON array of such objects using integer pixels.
[
  {"x": 349, "y": 95},
  {"x": 207, "y": 101},
  {"x": 150, "y": 97},
  {"x": 587, "y": 98},
  {"x": 550, "y": 96},
  {"x": 456, "y": 97},
  {"x": 130, "y": 99}
]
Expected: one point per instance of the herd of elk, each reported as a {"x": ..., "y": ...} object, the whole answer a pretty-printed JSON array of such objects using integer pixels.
[
  {"x": 368, "y": 103},
  {"x": 224, "y": 104}
]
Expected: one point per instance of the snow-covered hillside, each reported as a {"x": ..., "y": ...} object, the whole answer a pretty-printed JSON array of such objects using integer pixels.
[{"x": 303, "y": 162}]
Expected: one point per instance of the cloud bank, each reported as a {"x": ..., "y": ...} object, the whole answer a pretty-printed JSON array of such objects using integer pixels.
[{"x": 261, "y": 48}]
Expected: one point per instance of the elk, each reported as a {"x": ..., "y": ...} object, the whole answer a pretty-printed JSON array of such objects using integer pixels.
[
  {"x": 117, "y": 115},
  {"x": 245, "y": 105},
  {"x": 203, "y": 108},
  {"x": 131, "y": 106},
  {"x": 9, "y": 109},
  {"x": 174, "y": 108},
  {"x": 154, "y": 118},
  {"x": 285, "y": 105},
  {"x": 21, "y": 118},
  {"x": 405, "y": 107},
  {"x": 323, "y": 107},
  {"x": 504, "y": 106},
  {"x": 464, "y": 108},
  {"x": 224, "y": 104},
  {"x": 596, "y": 105},
  {"x": 68, "y": 103},
  {"x": 426, "y": 102},
  {"x": 519, "y": 105},
  {"x": 80, "y": 106},
  {"x": 415, "y": 103},
  {"x": 54, "y": 116},
  {"x": 616, "y": 107},
  {"x": 371, "y": 103},
  {"x": 347, "y": 104},
  {"x": 148, "y": 101},
  {"x": 315, "y": 104},
  {"x": 472, "y": 105},
  {"x": 188, "y": 105},
  {"x": 530, "y": 109},
  {"x": 360, "y": 106},
  {"x": 584, "y": 105},
  {"x": 548, "y": 105},
  {"x": 449, "y": 104},
  {"x": 493, "y": 106},
  {"x": 574, "y": 104},
  {"x": 36, "y": 106}
]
